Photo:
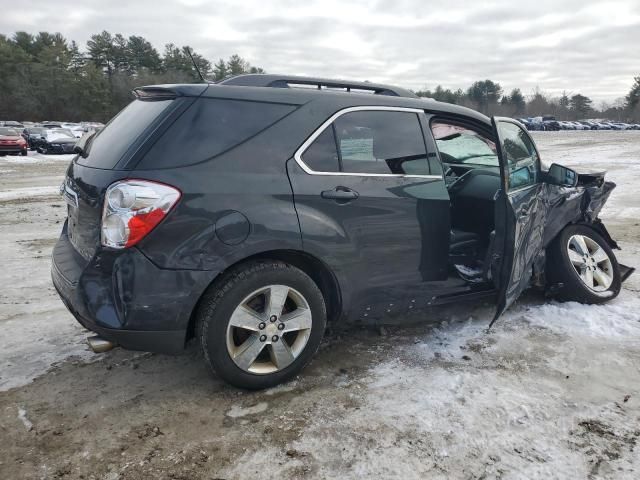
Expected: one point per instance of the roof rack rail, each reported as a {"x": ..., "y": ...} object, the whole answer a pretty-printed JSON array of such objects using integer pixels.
[{"x": 281, "y": 81}]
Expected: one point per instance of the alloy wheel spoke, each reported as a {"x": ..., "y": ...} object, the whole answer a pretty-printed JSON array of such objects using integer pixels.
[
  {"x": 249, "y": 351},
  {"x": 576, "y": 258},
  {"x": 587, "y": 276},
  {"x": 580, "y": 244},
  {"x": 277, "y": 297},
  {"x": 602, "y": 277},
  {"x": 281, "y": 354},
  {"x": 600, "y": 255},
  {"x": 246, "y": 318},
  {"x": 299, "y": 319}
]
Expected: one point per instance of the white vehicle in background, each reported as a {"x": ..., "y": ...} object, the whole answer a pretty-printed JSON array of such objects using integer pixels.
[{"x": 75, "y": 128}]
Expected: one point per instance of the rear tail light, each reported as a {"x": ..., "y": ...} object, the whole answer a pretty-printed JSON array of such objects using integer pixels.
[{"x": 132, "y": 208}]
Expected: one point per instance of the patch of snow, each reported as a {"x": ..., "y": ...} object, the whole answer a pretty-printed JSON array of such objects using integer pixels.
[
  {"x": 237, "y": 411},
  {"x": 22, "y": 415},
  {"x": 26, "y": 192}
]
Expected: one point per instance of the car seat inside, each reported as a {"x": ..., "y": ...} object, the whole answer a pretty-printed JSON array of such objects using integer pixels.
[{"x": 472, "y": 176}]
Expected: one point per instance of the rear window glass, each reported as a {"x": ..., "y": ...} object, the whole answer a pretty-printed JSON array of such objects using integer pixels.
[
  {"x": 322, "y": 155},
  {"x": 210, "y": 127},
  {"x": 107, "y": 147}
]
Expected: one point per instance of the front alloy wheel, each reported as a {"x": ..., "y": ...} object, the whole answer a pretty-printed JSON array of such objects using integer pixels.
[
  {"x": 591, "y": 262},
  {"x": 582, "y": 267}
]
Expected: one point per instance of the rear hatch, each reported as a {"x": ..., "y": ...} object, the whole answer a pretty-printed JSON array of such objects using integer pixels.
[{"x": 108, "y": 156}]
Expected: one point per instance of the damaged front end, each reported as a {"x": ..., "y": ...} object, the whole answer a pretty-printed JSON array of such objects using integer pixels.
[{"x": 575, "y": 205}]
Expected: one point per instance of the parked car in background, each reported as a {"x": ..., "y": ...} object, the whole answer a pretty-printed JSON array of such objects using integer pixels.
[
  {"x": 11, "y": 142},
  {"x": 565, "y": 125},
  {"x": 33, "y": 135},
  {"x": 525, "y": 122},
  {"x": 51, "y": 125},
  {"x": 58, "y": 140},
  {"x": 75, "y": 128},
  {"x": 589, "y": 125},
  {"x": 12, "y": 124},
  {"x": 621, "y": 125},
  {"x": 551, "y": 125}
]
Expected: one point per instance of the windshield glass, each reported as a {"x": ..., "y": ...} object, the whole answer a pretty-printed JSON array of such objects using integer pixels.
[
  {"x": 8, "y": 131},
  {"x": 458, "y": 144}
]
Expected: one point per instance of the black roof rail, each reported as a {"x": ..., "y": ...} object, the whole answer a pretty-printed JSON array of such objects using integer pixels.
[{"x": 282, "y": 81}]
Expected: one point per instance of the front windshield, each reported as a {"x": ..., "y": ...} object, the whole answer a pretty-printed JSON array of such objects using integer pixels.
[
  {"x": 458, "y": 144},
  {"x": 9, "y": 131}
]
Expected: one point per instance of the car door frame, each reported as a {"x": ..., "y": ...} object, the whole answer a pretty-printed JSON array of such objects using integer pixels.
[
  {"x": 297, "y": 159},
  {"x": 519, "y": 226}
]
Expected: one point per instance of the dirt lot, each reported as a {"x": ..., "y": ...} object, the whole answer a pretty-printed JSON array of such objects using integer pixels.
[{"x": 552, "y": 391}]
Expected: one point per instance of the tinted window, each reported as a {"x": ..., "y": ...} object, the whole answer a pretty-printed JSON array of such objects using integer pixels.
[
  {"x": 522, "y": 159},
  {"x": 210, "y": 127},
  {"x": 322, "y": 154},
  {"x": 381, "y": 142},
  {"x": 107, "y": 147},
  {"x": 459, "y": 144}
]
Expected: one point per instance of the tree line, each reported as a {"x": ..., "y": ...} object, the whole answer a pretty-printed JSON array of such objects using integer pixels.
[
  {"x": 489, "y": 98},
  {"x": 47, "y": 77}
]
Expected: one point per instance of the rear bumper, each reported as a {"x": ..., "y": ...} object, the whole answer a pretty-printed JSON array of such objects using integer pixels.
[{"x": 125, "y": 298}]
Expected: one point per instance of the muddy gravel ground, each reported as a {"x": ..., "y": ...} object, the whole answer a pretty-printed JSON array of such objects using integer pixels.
[{"x": 552, "y": 391}]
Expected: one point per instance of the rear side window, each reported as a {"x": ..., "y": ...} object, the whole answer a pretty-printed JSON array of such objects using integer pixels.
[
  {"x": 106, "y": 148},
  {"x": 210, "y": 127},
  {"x": 381, "y": 142},
  {"x": 322, "y": 155}
]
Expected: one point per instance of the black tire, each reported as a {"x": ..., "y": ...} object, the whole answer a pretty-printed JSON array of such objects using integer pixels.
[
  {"x": 561, "y": 270},
  {"x": 223, "y": 297},
  {"x": 23, "y": 153}
]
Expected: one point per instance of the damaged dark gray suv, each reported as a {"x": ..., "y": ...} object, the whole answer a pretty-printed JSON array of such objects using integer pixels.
[{"x": 248, "y": 214}]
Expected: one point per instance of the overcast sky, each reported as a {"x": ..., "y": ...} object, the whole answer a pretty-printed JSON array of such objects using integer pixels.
[{"x": 586, "y": 46}]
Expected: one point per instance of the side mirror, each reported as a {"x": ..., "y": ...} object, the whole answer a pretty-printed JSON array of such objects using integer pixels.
[{"x": 562, "y": 176}]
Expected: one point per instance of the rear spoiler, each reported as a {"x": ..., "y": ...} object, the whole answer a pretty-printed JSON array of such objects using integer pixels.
[
  {"x": 168, "y": 92},
  {"x": 154, "y": 93}
]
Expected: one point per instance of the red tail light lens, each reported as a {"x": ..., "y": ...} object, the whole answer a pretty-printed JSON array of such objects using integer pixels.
[{"x": 132, "y": 208}]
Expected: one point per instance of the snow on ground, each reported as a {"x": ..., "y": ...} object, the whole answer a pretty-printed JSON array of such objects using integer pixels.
[{"x": 551, "y": 391}]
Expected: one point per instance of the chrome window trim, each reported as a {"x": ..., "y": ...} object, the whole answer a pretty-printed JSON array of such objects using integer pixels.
[{"x": 371, "y": 108}]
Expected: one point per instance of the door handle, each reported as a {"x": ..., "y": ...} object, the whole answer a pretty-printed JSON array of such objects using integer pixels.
[{"x": 340, "y": 194}]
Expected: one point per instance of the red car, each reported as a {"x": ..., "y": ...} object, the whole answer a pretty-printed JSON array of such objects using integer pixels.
[{"x": 12, "y": 142}]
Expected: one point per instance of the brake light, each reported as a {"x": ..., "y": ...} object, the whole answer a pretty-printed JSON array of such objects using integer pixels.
[{"x": 132, "y": 208}]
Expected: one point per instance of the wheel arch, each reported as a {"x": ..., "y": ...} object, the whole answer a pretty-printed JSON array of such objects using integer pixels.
[{"x": 319, "y": 272}]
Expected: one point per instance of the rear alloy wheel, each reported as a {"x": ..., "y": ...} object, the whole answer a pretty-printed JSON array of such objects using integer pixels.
[
  {"x": 584, "y": 263},
  {"x": 269, "y": 329},
  {"x": 261, "y": 324}
]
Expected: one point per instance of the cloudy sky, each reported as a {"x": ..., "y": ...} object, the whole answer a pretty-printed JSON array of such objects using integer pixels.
[{"x": 586, "y": 46}]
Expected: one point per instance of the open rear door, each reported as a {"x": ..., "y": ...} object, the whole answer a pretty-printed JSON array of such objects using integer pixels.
[{"x": 520, "y": 209}]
